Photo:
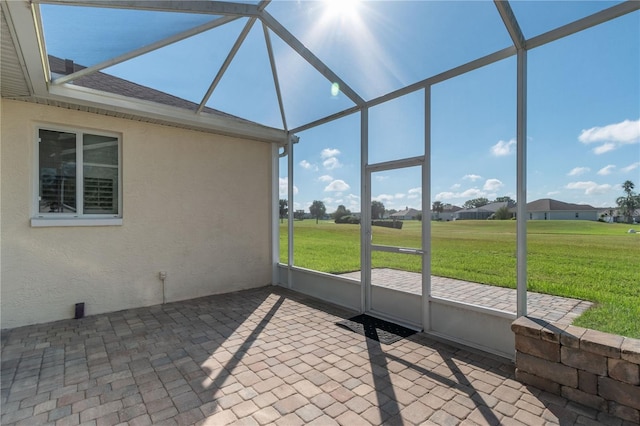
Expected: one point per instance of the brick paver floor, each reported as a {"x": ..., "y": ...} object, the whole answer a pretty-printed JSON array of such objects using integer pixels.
[
  {"x": 256, "y": 357},
  {"x": 559, "y": 310}
]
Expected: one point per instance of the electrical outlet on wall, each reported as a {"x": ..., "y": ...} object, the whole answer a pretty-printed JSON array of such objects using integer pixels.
[{"x": 162, "y": 275}]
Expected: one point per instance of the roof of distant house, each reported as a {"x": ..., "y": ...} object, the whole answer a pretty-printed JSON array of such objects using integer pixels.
[
  {"x": 406, "y": 212},
  {"x": 448, "y": 208},
  {"x": 491, "y": 207},
  {"x": 547, "y": 204}
]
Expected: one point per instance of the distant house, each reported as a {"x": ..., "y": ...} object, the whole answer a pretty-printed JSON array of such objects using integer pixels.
[
  {"x": 548, "y": 209},
  {"x": 447, "y": 214},
  {"x": 482, "y": 213},
  {"x": 406, "y": 214},
  {"x": 614, "y": 214}
]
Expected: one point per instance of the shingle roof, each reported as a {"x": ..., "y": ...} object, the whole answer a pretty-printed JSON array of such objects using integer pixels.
[
  {"x": 547, "y": 204},
  {"x": 108, "y": 83},
  {"x": 406, "y": 212}
]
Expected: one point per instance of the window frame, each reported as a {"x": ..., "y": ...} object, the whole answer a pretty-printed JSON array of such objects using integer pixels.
[{"x": 79, "y": 218}]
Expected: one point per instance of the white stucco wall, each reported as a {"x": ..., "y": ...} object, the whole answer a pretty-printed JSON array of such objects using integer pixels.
[{"x": 195, "y": 205}]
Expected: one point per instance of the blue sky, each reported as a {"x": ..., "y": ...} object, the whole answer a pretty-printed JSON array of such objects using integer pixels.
[{"x": 583, "y": 93}]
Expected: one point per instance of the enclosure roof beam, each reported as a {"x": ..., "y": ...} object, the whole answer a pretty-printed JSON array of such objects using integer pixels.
[
  {"x": 274, "y": 72},
  {"x": 227, "y": 62},
  {"x": 182, "y": 6},
  {"x": 584, "y": 23},
  {"x": 146, "y": 49},
  {"x": 511, "y": 23},
  {"x": 308, "y": 56},
  {"x": 327, "y": 119}
]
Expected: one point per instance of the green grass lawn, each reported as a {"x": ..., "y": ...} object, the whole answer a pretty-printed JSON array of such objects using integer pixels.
[{"x": 586, "y": 260}]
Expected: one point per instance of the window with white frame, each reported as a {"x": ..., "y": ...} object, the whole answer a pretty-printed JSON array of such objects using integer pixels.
[{"x": 79, "y": 174}]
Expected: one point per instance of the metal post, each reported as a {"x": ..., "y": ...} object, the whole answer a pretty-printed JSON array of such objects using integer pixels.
[
  {"x": 522, "y": 183},
  {"x": 275, "y": 213},
  {"x": 365, "y": 214},
  {"x": 426, "y": 214},
  {"x": 290, "y": 197}
]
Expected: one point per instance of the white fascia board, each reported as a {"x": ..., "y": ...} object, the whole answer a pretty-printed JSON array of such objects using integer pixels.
[
  {"x": 27, "y": 43},
  {"x": 152, "y": 110},
  {"x": 182, "y": 6}
]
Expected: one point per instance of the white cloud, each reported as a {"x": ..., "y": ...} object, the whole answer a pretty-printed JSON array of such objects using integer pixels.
[
  {"x": 590, "y": 188},
  {"x": 383, "y": 198},
  {"x": 626, "y": 131},
  {"x": 400, "y": 196},
  {"x": 331, "y": 163},
  {"x": 308, "y": 166},
  {"x": 414, "y": 193},
  {"x": 472, "y": 178},
  {"x": 606, "y": 147},
  {"x": 630, "y": 167},
  {"x": 455, "y": 186},
  {"x": 492, "y": 185},
  {"x": 467, "y": 194},
  {"x": 446, "y": 196},
  {"x": 577, "y": 171},
  {"x": 329, "y": 152},
  {"x": 380, "y": 178},
  {"x": 337, "y": 185},
  {"x": 352, "y": 202},
  {"x": 472, "y": 193},
  {"x": 503, "y": 148},
  {"x": 325, "y": 178},
  {"x": 606, "y": 170},
  {"x": 283, "y": 188},
  {"x": 551, "y": 193},
  {"x": 612, "y": 136}
]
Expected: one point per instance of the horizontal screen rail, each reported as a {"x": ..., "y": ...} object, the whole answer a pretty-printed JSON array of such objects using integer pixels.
[{"x": 391, "y": 249}]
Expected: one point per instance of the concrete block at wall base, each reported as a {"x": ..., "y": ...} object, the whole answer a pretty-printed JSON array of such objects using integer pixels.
[
  {"x": 584, "y": 398},
  {"x": 621, "y": 393},
  {"x": 538, "y": 382},
  {"x": 600, "y": 343},
  {"x": 571, "y": 336},
  {"x": 538, "y": 348},
  {"x": 624, "y": 371},
  {"x": 562, "y": 374},
  {"x": 588, "y": 382},
  {"x": 630, "y": 350},
  {"x": 624, "y": 412},
  {"x": 593, "y": 363}
]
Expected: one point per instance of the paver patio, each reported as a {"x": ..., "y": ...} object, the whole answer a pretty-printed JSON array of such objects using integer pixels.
[
  {"x": 261, "y": 356},
  {"x": 559, "y": 310}
]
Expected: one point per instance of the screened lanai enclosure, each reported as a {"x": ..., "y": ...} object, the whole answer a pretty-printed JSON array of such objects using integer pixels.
[{"x": 404, "y": 104}]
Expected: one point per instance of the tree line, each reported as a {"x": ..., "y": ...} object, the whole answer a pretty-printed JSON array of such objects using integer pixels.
[{"x": 628, "y": 204}]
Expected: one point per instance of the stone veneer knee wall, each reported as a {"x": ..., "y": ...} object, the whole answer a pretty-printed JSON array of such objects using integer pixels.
[{"x": 592, "y": 368}]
